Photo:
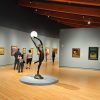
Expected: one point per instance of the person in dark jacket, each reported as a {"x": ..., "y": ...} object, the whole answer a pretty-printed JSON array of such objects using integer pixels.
[
  {"x": 53, "y": 56},
  {"x": 16, "y": 62}
]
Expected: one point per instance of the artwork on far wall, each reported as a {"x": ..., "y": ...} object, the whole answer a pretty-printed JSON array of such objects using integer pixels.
[
  {"x": 13, "y": 49},
  {"x": 24, "y": 50},
  {"x": 32, "y": 50},
  {"x": 1, "y": 51},
  {"x": 55, "y": 49},
  {"x": 93, "y": 53},
  {"x": 76, "y": 52}
]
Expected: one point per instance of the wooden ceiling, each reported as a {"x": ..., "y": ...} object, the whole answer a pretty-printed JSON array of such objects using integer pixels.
[{"x": 73, "y": 13}]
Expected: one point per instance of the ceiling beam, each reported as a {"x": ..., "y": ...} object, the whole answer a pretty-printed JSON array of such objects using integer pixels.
[
  {"x": 81, "y": 2},
  {"x": 75, "y": 24},
  {"x": 71, "y": 19},
  {"x": 72, "y": 15},
  {"x": 62, "y": 8},
  {"x": 68, "y": 16}
]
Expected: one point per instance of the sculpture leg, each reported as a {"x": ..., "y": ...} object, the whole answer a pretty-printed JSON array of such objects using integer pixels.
[
  {"x": 19, "y": 67},
  {"x": 38, "y": 76},
  {"x": 36, "y": 62},
  {"x": 15, "y": 63},
  {"x": 39, "y": 66}
]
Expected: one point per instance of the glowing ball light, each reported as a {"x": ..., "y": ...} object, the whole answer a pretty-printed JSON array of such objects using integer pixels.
[{"x": 34, "y": 34}]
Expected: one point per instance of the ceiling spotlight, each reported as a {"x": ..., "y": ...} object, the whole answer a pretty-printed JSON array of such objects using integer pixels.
[{"x": 89, "y": 22}]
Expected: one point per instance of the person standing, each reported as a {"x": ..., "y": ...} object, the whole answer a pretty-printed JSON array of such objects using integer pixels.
[
  {"x": 16, "y": 62},
  {"x": 29, "y": 59},
  {"x": 53, "y": 56},
  {"x": 21, "y": 63},
  {"x": 46, "y": 55}
]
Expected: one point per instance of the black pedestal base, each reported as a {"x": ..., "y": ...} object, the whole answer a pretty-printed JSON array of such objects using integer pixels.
[{"x": 38, "y": 76}]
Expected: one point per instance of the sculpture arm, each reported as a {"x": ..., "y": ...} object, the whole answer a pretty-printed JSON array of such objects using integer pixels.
[
  {"x": 39, "y": 40},
  {"x": 34, "y": 43}
]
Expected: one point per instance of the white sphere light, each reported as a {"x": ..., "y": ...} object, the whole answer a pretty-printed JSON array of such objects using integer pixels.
[{"x": 34, "y": 34}]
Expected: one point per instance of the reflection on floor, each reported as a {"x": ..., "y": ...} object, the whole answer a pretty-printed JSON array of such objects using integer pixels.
[{"x": 74, "y": 84}]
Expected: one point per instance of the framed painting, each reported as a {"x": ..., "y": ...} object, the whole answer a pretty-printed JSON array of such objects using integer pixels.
[
  {"x": 1, "y": 51},
  {"x": 13, "y": 50},
  {"x": 76, "y": 52},
  {"x": 32, "y": 50},
  {"x": 55, "y": 50},
  {"x": 93, "y": 53},
  {"x": 24, "y": 50}
]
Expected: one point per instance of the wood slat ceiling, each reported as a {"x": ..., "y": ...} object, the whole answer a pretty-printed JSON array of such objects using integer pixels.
[{"x": 74, "y": 13}]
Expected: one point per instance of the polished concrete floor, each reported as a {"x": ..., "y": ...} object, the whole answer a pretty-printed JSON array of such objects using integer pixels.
[{"x": 74, "y": 84}]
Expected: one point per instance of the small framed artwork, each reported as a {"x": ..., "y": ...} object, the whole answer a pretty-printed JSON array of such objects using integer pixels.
[
  {"x": 93, "y": 53},
  {"x": 55, "y": 50},
  {"x": 24, "y": 50},
  {"x": 76, "y": 52},
  {"x": 32, "y": 50},
  {"x": 13, "y": 50},
  {"x": 1, "y": 51}
]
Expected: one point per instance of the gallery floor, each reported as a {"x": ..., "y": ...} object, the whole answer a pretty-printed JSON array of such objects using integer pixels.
[{"x": 74, "y": 84}]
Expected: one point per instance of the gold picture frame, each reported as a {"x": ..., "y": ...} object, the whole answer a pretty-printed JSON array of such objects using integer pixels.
[
  {"x": 24, "y": 50},
  {"x": 1, "y": 51},
  {"x": 76, "y": 52},
  {"x": 13, "y": 50}
]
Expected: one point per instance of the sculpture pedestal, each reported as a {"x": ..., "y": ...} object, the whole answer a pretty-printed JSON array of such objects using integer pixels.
[{"x": 32, "y": 79}]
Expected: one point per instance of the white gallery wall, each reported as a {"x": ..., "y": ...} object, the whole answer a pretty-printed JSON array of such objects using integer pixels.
[
  {"x": 82, "y": 38},
  {"x": 9, "y": 37}
]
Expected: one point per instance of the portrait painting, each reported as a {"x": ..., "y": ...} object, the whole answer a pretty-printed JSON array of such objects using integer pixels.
[
  {"x": 76, "y": 52},
  {"x": 13, "y": 50},
  {"x": 93, "y": 53},
  {"x": 24, "y": 50},
  {"x": 1, "y": 51}
]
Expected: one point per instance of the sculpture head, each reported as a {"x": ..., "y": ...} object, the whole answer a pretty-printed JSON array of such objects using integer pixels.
[{"x": 34, "y": 34}]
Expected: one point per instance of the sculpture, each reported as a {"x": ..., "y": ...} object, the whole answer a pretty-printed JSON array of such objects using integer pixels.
[{"x": 41, "y": 53}]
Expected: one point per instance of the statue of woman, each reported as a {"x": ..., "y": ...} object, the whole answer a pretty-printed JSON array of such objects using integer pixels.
[{"x": 41, "y": 56}]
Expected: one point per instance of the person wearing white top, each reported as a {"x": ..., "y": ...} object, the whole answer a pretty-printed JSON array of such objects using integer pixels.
[{"x": 29, "y": 59}]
